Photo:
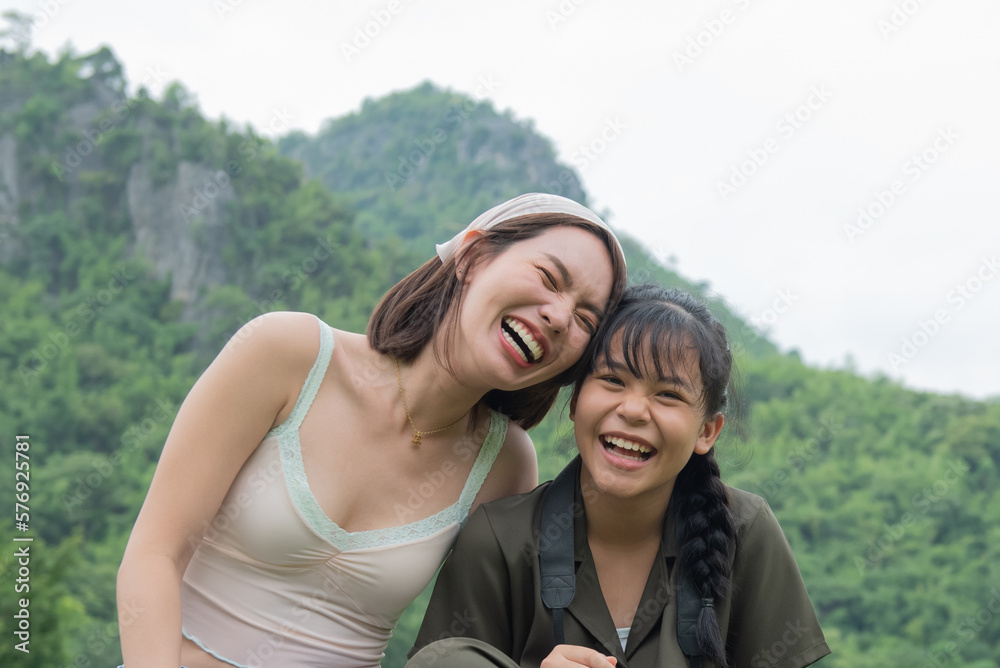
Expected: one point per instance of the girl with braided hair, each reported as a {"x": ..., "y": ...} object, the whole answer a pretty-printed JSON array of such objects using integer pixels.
[{"x": 664, "y": 565}]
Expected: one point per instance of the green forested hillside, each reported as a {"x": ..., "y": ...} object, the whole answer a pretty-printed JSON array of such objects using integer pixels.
[
  {"x": 136, "y": 236},
  {"x": 408, "y": 154}
]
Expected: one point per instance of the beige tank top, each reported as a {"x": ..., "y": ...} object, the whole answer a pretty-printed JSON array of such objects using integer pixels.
[{"x": 276, "y": 583}]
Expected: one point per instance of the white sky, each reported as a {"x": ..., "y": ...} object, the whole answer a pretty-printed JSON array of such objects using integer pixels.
[{"x": 881, "y": 93}]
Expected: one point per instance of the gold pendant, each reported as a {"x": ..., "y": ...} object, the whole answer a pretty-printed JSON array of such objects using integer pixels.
[{"x": 416, "y": 438}]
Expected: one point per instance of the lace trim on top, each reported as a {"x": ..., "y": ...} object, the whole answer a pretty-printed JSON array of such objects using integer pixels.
[
  {"x": 311, "y": 386},
  {"x": 298, "y": 484},
  {"x": 207, "y": 650}
]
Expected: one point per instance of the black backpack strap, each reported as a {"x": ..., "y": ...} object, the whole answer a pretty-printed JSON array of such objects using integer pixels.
[
  {"x": 558, "y": 565},
  {"x": 555, "y": 550},
  {"x": 689, "y": 604}
]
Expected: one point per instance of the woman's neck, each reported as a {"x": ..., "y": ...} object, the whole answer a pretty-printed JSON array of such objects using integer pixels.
[{"x": 434, "y": 396}]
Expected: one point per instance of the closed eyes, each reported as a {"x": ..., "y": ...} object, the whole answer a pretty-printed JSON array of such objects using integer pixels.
[
  {"x": 548, "y": 278},
  {"x": 588, "y": 323}
]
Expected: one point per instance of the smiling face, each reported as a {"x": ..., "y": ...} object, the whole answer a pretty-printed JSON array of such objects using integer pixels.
[
  {"x": 635, "y": 434},
  {"x": 529, "y": 313}
]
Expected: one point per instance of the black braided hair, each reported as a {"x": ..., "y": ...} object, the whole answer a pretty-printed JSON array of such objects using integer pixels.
[
  {"x": 706, "y": 533},
  {"x": 661, "y": 326}
]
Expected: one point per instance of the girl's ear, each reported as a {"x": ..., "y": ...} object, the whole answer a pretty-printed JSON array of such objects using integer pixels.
[{"x": 709, "y": 433}]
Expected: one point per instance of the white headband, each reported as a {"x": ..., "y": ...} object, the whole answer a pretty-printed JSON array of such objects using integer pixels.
[{"x": 523, "y": 205}]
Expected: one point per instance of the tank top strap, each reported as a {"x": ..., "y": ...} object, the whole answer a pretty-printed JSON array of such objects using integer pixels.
[
  {"x": 312, "y": 382},
  {"x": 484, "y": 462}
]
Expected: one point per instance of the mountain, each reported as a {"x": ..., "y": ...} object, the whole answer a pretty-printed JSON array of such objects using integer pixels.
[
  {"x": 418, "y": 165},
  {"x": 429, "y": 150},
  {"x": 137, "y": 235}
]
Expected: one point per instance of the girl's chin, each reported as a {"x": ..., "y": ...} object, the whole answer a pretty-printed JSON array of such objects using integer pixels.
[{"x": 612, "y": 487}]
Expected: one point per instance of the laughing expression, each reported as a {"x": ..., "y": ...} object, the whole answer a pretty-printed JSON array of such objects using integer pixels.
[
  {"x": 636, "y": 434},
  {"x": 530, "y": 312}
]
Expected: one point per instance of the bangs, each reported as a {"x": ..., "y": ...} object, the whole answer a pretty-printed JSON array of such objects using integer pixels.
[
  {"x": 666, "y": 334},
  {"x": 656, "y": 339},
  {"x": 651, "y": 343}
]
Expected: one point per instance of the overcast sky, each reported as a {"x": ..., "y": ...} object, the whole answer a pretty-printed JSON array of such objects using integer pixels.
[{"x": 830, "y": 169}]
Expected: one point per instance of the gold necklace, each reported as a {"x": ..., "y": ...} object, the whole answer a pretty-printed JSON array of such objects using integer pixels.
[{"x": 417, "y": 434}]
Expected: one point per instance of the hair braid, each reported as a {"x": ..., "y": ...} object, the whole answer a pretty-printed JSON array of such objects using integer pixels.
[
  {"x": 706, "y": 534},
  {"x": 654, "y": 328}
]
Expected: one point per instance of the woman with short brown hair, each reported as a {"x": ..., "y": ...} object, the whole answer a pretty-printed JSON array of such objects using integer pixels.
[{"x": 314, "y": 479}]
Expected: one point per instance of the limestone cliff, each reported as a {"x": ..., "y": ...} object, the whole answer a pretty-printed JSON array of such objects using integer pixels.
[
  {"x": 178, "y": 226},
  {"x": 9, "y": 195}
]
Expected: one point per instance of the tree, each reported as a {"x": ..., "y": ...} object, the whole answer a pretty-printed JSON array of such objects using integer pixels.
[{"x": 18, "y": 32}]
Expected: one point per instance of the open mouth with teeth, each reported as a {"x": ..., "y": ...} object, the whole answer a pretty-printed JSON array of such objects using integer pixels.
[
  {"x": 521, "y": 340},
  {"x": 626, "y": 449}
]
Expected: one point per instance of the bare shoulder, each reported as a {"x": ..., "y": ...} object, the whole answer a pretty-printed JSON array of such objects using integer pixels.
[
  {"x": 280, "y": 346},
  {"x": 515, "y": 470},
  {"x": 286, "y": 334},
  {"x": 521, "y": 458},
  {"x": 248, "y": 389}
]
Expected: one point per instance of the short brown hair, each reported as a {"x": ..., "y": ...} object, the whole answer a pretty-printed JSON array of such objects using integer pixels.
[{"x": 410, "y": 313}]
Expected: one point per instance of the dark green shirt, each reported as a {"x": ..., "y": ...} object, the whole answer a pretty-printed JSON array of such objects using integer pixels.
[{"x": 489, "y": 589}]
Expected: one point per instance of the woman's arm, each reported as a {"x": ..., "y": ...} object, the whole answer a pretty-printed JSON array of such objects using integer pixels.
[
  {"x": 472, "y": 597},
  {"x": 249, "y": 388}
]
